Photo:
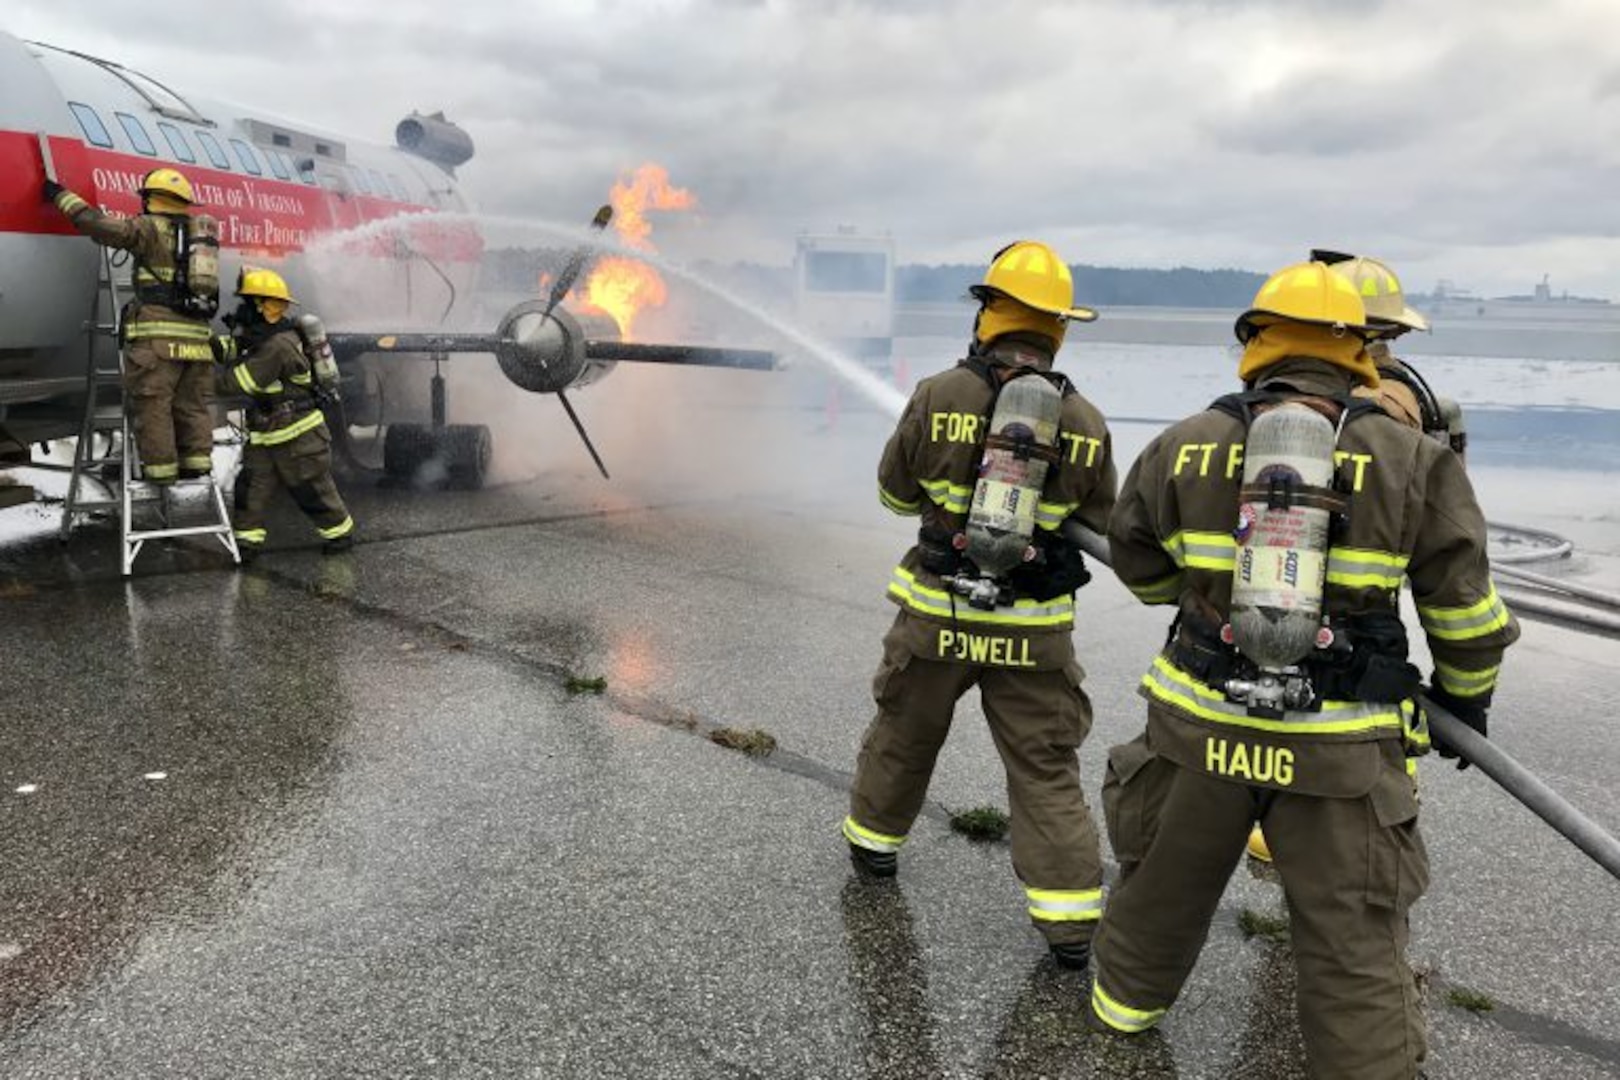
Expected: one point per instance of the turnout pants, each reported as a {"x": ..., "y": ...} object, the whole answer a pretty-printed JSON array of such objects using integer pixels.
[
  {"x": 1351, "y": 870},
  {"x": 1038, "y": 720},
  {"x": 171, "y": 402},
  {"x": 304, "y": 467}
]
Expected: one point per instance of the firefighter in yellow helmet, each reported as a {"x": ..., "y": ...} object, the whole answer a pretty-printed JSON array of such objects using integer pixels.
[
  {"x": 1316, "y": 750},
  {"x": 164, "y": 329},
  {"x": 1401, "y": 391},
  {"x": 289, "y": 445},
  {"x": 1011, "y": 637}
]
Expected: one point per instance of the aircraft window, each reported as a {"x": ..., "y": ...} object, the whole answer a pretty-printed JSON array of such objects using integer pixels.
[
  {"x": 378, "y": 184},
  {"x": 177, "y": 142},
  {"x": 360, "y": 181},
  {"x": 399, "y": 188},
  {"x": 244, "y": 154},
  {"x": 278, "y": 165},
  {"x": 90, "y": 124},
  {"x": 212, "y": 148},
  {"x": 137, "y": 134}
]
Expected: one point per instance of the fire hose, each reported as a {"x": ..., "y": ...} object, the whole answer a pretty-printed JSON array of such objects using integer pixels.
[{"x": 1587, "y": 835}]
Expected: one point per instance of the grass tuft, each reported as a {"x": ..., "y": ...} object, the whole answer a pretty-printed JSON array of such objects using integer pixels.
[
  {"x": 579, "y": 685},
  {"x": 1256, "y": 924},
  {"x": 754, "y": 742},
  {"x": 1472, "y": 1000},
  {"x": 982, "y": 823}
]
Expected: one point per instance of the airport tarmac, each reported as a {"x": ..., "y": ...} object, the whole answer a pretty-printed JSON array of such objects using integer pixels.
[{"x": 345, "y": 816}]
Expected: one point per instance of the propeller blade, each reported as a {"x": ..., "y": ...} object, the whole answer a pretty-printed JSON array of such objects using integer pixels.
[
  {"x": 576, "y": 262},
  {"x": 579, "y": 427}
]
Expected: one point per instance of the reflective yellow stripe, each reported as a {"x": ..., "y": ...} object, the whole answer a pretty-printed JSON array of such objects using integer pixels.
[
  {"x": 1462, "y": 683},
  {"x": 196, "y": 461},
  {"x": 1065, "y": 905},
  {"x": 1202, "y": 550},
  {"x": 904, "y": 586},
  {"x": 899, "y": 506},
  {"x": 1361, "y": 568},
  {"x": 1050, "y": 515},
  {"x": 299, "y": 380},
  {"x": 163, "y": 274},
  {"x": 1162, "y": 591},
  {"x": 1167, "y": 683},
  {"x": 950, "y": 497},
  {"x": 250, "y": 536},
  {"x": 1121, "y": 1017},
  {"x": 288, "y": 433},
  {"x": 160, "y": 471},
  {"x": 342, "y": 528},
  {"x": 1484, "y": 616},
  {"x": 1416, "y": 726},
  {"x": 140, "y": 328},
  {"x": 245, "y": 379},
  {"x": 861, "y": 836}
]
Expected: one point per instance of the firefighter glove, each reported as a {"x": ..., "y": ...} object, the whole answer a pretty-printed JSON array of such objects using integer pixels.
[
  {"x": 1468, "y": 712},
  {"x": 223, "y": 346},
  {"x": 1059, "y": 570},
  {"x": 50, "y": 189}
]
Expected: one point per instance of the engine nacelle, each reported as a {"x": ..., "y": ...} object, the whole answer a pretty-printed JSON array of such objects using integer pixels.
[
  {"x": 544, "y": 351},
  {"x": 434, "y": 138}
]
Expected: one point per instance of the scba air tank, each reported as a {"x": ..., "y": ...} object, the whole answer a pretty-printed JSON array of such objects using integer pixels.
[
  {"x": 1021, "y": 444},
  {"x": 202, "y": 264},
  {"x": 318, "y": 349},
  {"x": 1284, "y": 520}
]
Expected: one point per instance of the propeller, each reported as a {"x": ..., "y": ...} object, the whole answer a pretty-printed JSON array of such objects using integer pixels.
[{"x": 559, "y": 289}]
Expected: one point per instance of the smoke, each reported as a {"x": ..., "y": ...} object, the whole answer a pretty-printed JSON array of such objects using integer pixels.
[{"x": 664, "y": 431}]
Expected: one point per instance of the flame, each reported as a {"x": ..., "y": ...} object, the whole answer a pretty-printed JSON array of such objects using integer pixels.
[
  {"x": 618, "y": 286},
  {"x": 648, "y": 188}
]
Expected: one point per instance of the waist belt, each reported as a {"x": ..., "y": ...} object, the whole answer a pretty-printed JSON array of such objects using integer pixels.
[
  {"x": 1365, "y": 662},
  {"x": 279, "y": 415}
]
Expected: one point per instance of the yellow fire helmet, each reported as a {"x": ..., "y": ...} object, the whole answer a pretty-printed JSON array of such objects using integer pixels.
[
  {"x": 1032, "y": 274},
  {"x": 1380, "y": 291},
  {"x": 1307, "y": 292},
  {"x": 169, "y": 182},
  {"x": 257, "y": 282}
]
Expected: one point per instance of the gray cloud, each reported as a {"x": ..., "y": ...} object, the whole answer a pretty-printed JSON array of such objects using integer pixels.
[{"x": 1456, "y": 139}]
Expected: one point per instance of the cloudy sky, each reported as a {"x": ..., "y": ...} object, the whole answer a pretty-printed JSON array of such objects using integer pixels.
[{"x": 1472, "y": 140}]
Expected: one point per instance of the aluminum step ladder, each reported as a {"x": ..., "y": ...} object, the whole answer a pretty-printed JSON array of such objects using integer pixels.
[{"x": 106, "y": 414}]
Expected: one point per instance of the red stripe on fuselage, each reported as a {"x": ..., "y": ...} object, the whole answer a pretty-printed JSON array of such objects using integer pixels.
[{"x": 261, "y": 215}]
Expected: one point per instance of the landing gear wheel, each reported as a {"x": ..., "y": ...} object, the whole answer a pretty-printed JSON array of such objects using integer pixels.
[
  {"x": 467, "y": 451},
  {"x": 454, "y": 456}
]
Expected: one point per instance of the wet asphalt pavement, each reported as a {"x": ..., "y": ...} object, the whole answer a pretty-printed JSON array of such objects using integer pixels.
[{"x": 347, "y": 817}]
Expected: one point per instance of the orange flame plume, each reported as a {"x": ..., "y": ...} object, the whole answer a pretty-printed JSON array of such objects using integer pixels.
[
  {"x": 619, "y": 286},
  {"x": 647, "y": 189}
]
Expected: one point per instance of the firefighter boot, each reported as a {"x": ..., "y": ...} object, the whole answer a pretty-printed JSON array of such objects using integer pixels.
[
  {"x": 1258, "y": 848},
  {"x": 1074, "y": 955},
  {"x": 877, "y": 864}
]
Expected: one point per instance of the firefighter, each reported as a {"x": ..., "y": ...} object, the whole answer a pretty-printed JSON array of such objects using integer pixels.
[
  {"x": 1326, "y": 771},
  {"x": 1401, "y": 391},
  {"x": 1019, "y": 650},
  {"x": 168, "y": 379},
  {"x": 289, "y": 444}
]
